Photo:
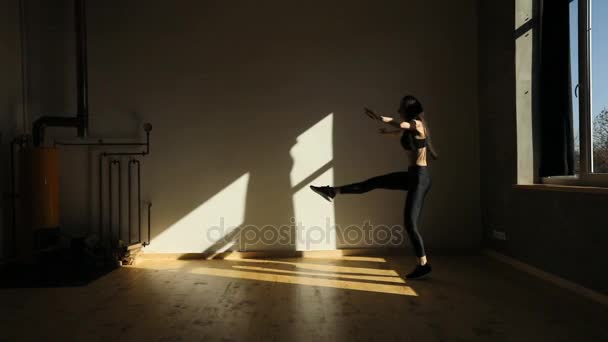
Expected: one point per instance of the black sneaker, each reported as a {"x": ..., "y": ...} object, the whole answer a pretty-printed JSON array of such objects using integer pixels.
[
  {"x": 326, "y": 192},
  {"x": 419, "y": 272}
]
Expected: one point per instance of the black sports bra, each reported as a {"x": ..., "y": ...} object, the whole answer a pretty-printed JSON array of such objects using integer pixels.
[{"x": 409, "y": 142}]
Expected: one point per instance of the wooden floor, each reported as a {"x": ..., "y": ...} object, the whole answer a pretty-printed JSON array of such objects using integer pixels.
[{"x": 306, "y": 299}]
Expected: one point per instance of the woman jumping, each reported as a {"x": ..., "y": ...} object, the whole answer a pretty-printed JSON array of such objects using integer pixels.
[{"x": 415, "y": 138}]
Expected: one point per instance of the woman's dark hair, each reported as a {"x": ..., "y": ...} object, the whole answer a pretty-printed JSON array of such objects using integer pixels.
[{"x": 412, "y": 109}]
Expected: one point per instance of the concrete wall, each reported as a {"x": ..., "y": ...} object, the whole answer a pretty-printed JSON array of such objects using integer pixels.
[
  {"x": 560, "y": 232},
  {"x": 10, "y": 99},
  {"x": 251, "y": 102}
]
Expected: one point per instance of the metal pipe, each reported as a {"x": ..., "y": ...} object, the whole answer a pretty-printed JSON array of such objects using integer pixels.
[
  {"x": 13, "y": 197},
  {"x": 110, "y": 185},
  {"x": 80, "y": 16},
  {"x": 138, "y": 199},
  {"x": 129, "y": 205},
  {"x": 118, "y": 161},
  {"x": 81, "y": 120},
  {"x": 100, "y": 143},
  {"x": 100, "y": 227},
  {"x": 147, "y": 128},
  {"x": 135, "y": 162},
  {"x": 124, "y": 153},
  {"x": 149, "y": 220},
  {"x": 23, "y": 38},
  {"x": 51, "y": 121},
  {"x": 110, "y": 209}
]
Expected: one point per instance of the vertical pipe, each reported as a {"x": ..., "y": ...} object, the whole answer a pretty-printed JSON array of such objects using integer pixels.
[
  {"x": 129, "y": 204},
  {"x": 148, "y": 141},
  {"x": 147, "y": 129},
  {"x": 138, "y": 200},
  {"x": 110, "y": 199},
  {"x": 100, "y": 204},
  {"x": 23, "y": 38},
  {"x": 81, "y": 66},
  {"x": 149, "y": 217},
  {"x": 13, "y": 232},
  {"x": 119, "y": 162}
]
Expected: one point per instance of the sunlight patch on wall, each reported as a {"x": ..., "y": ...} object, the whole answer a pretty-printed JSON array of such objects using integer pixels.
[
  {"x": 313, "y": 149},
  {"x": 214, "y": 219},
  {"x": 314, "y": 216}
]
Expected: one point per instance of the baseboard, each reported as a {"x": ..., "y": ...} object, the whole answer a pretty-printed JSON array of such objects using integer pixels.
[
  {"x": 372, "y": 252},
  {"x": 551, "y": 278}
]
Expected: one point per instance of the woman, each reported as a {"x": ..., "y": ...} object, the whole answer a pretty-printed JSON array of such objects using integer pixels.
[{"x": 415, "y": 139}]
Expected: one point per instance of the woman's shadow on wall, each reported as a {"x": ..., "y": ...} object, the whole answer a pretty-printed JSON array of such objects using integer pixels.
[{"x": 269, "y": 209}]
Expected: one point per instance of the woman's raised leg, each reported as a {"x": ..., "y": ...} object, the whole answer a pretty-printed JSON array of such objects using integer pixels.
[{"x": 390, "y": 181}]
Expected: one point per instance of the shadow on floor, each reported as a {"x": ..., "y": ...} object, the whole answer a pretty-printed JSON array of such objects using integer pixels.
[{"x": 61, "y": 268}]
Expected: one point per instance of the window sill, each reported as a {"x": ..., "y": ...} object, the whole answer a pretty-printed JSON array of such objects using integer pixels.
[{"x": 563, "y": 188}]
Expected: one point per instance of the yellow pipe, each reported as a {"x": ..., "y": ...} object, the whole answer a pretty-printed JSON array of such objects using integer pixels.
[{"x": 41, "y": 186}]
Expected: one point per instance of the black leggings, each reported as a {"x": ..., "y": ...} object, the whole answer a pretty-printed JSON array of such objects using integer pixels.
[{"x": 416, "y": 181}]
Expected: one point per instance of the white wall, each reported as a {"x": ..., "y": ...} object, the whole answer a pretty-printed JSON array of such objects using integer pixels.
[{"x": 251, "y": 101}]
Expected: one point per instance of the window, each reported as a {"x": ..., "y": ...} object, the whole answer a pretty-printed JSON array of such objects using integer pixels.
[
  {"x": 589, "y": 82},
  {"x": 574, "y": 81},
  {"x": 599, "y": 86}
]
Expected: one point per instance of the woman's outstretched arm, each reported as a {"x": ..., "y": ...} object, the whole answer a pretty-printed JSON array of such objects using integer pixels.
[
  {"x": 390, "y": 121},
  {"x": 399, "y": 124}
]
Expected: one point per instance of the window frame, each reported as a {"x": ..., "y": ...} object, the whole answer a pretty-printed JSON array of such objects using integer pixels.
[{"x": 586, "y": 177}]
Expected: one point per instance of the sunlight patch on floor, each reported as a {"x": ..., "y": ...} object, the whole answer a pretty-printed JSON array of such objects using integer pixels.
[
  {"x": 305, "y": 280},
  {"x": 326, "y": 267},
  {"x": 291, "y": 272},
  {"x": 395, "y": 279}
]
